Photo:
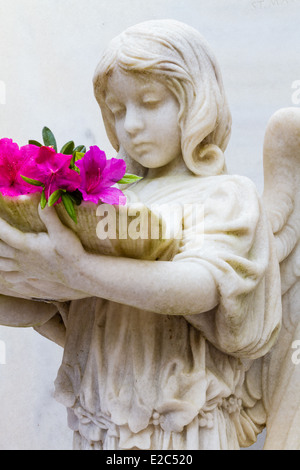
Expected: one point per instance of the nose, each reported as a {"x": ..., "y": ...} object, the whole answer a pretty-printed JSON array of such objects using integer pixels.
[{"x": 133, "y": 122}]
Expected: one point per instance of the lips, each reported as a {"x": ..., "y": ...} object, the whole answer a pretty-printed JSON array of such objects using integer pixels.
[
  {"x": 138, "y": 143},
  {"x": 139, "y": 146}
]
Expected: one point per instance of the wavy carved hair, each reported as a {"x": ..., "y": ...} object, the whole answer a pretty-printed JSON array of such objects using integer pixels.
[{"x": 179, "y": 56}]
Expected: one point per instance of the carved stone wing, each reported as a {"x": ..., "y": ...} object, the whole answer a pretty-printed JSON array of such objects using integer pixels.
[{"x": 281, "y": 374}]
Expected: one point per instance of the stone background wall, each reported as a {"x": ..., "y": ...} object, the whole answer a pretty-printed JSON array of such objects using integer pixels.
[{"x": 48, "y": 52}]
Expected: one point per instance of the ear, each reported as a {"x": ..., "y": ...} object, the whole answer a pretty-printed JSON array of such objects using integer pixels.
[{"x": 208, "y": 160}]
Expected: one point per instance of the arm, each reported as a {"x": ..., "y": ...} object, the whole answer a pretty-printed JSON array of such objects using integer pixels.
[
  {"x": 22, "y": 313},
  {"x": 43, "y": 317},
  {"x": 163, "y": 287},
  {"x": 171, "y": 288}
]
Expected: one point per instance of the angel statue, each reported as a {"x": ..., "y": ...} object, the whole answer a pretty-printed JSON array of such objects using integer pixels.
[{"x": 184, "y": 351}]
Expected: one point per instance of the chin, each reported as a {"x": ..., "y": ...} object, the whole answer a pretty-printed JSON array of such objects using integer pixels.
[
  {"x": 147, "y": 162},
  {"x": 150, "y": 161}
]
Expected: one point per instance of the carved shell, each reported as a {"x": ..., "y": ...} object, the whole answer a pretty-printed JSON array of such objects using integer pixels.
[{"x": 22, "y": 213}]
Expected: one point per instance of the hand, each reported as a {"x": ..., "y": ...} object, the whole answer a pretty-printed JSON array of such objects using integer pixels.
[
  {"x": 40, "y": 265},
  {"x": 36, "y": 289}
]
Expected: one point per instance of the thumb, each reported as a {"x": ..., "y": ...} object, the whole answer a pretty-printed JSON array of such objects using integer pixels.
[
  {"x": 51, "y": 220},
  {"x": 65, "y": 241}
]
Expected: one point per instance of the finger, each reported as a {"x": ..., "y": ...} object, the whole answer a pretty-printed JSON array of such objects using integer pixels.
[
  {"x": 37, "y": 289},
  {"x": 13, "y": 238},
  {"x": 13, "y": 277},
  {"x": 6, "y": 251},
  {"x": 23, "y": 290},
  {"x": 50, "y": 218},
  {"x": 11, "y": 293},
  {"x": 7, "y": 265},
  {"x": 64, "y": 239},
  {"x": 55, "y": 290},
  {"x": 11, "y": 235}
]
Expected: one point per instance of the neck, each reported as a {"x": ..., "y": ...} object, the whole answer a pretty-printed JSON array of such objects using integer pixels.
[{"x": 175, "y": 167}]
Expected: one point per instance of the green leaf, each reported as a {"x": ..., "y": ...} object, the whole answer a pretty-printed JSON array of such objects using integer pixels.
[
  {"x": 49, "y": 139},
  {"x": 43, "y": 200},
  {"x": 128, "y": 179},
  {"x": 35, "y": 142},
  {"x": 76, "y": 156},
  {"x": 69, "y": 206},
  {"x": 76, "y": 197},
  {"x": 31, "y": 181},
  {"x": 79, "y": 156},
  {"x": 68, "y": 148},
  {"x": 80, "y": 148},
  {"x": 54, "y": 197}
]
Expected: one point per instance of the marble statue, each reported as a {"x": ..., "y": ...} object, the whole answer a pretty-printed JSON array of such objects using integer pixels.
[{"x": 191, "y": 350}]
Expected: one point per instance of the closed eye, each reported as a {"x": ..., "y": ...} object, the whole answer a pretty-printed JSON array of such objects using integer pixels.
[
  {"x": 151, "y": 103},
  {"x": 115, "y": 107},
  {"x": 118, "y": 111}
]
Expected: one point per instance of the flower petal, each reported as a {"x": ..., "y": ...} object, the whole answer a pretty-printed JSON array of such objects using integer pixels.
[
  {"x": 29, "y": 152},
  {"x": 12, "y": 159},
  {"x": 97, "y": 155},
  {"x": 8, "y": 144},
  {"x": 91, "y": 167},
  {"x": 67, "y": 179},
  {"x": 45, "y": 156},
  {"x": 113, "y": 172},
  {"x": 112, "y": 196},
  {"x": 89, "y": 197}
]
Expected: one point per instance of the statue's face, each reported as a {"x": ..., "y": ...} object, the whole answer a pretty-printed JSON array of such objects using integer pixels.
[{"x": 146, "y": 118}]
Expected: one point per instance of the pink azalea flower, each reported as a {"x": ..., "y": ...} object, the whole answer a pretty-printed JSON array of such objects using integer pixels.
[
  {"x": 52, "y": 169},
  {"x": 98, "y": 175},
  {"x": 13, "y": 162}
]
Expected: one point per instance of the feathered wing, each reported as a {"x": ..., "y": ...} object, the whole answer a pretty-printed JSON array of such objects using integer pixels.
[{"x": 281, "y": 373}]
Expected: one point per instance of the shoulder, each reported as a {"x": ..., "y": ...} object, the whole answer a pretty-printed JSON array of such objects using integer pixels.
[
  {"x": 235, "y": 188},
  {"x": 221, "y": 181},
  {"x": 233, "y": 198},
  {"x": 234, "y": 181},
  {"x": 224, "y": 193}
]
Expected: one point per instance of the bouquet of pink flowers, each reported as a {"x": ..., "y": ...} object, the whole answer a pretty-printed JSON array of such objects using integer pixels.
[
  {"x": 77, "y": 182},
  {"x": 70, "y": 176}
]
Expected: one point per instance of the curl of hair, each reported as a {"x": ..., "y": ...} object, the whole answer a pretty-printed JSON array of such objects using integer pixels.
[{"x": 177, "y": 55}]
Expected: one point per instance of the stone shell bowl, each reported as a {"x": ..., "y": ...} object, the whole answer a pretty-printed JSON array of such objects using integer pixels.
[{"x": 22, "y": 213}]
